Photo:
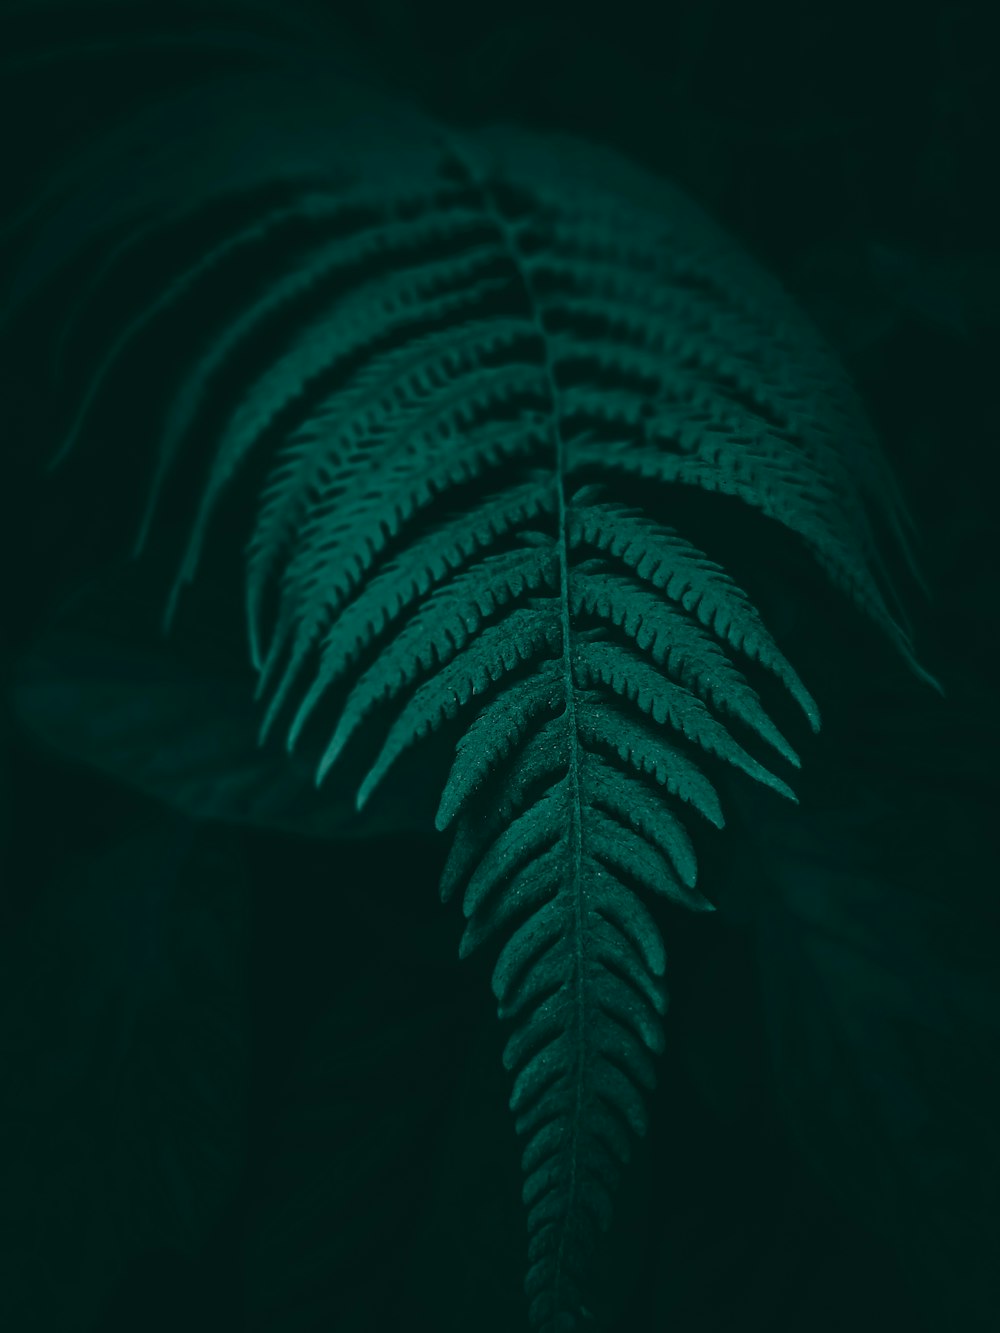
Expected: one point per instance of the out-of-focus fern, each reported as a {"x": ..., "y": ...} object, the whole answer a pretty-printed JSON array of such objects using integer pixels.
[{"x": 462, "y": 359}]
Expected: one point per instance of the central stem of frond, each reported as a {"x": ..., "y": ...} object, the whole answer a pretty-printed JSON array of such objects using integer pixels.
[{"x": 572, "y": 889}]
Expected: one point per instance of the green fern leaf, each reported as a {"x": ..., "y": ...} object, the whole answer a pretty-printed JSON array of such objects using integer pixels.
[
  {"x": 588, "y": 653},
  {"x": 455, "y": 365}
]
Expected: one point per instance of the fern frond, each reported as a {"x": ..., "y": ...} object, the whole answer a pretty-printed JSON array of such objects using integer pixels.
[
  {"x": 590, "y": 671},
  {"x": 452, "y": 369}
]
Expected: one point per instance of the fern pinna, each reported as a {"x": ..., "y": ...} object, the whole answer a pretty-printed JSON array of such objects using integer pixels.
[{"x": 460, "y": 361}]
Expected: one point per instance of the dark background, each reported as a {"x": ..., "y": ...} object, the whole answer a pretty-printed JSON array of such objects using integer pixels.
[{"x": 312, "y": 1077}]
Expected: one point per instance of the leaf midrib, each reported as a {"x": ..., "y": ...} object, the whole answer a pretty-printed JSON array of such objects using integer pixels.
[{"x": 574, "y": 879}]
